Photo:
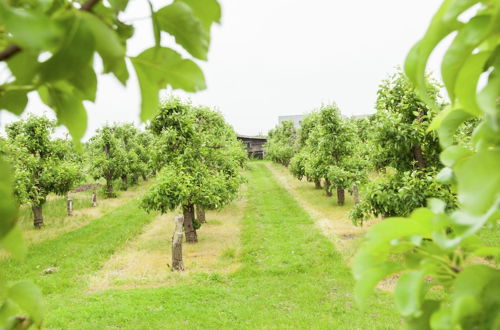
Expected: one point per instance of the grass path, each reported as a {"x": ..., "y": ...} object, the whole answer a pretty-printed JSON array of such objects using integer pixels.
[
  {"x": 58, "y": 223},
  {"x": 76, "y": 254},
  {"x": 291, "y": 276}
]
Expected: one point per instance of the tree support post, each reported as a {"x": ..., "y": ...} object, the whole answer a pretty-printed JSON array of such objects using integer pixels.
[
  {"x": 355, "y": 194},
  {"x": 177, "y": 263},
  {"x": 69, "y": 204},
  {"x": 94, "y": 196}
]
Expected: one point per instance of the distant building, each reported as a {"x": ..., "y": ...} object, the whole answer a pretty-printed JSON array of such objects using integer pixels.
[
  {"x": 254, "y": 145},
  {"x": 296, "y": 119}
]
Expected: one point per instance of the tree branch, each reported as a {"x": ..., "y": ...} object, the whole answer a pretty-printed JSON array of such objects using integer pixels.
[{"x": 14, "y": 49}]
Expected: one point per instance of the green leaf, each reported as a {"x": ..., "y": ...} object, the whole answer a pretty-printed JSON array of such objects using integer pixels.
[
  {"x": 76, "y": 52},
  {"x": 471, "y": 35},
  {"x": 488, "y": 97},
  {"x": 207, "y": 11},
  {"x": 441, "y": 320},
  {"x": 118, "y": 5},
  {"x": 453, "y": 154},
  {"x": 29, "y": 298},
  {"x": 423, "y": 321},
  {"x": 478, "y": 192},
  {"x": 416, "y": 60},
  {"x": 156, "y": 25},
  {"x": 158, "y": 67},
  {"x": 449, "y": 125},
  {"x": 410, "y": 292},
  {"x": 108, "y": 45},
  {"x": 369, "y": 278},
  {"x": 14, "y": 101},
  {"x": 29, "y": 29},
  {"x": 68, "y": 106},
  {"x": 13, "y": 243},
  {"x": 86, "y": 82},
  {"x": 179, "y": 20},
  {"x": 8, "y": 205},
  {"x": 446, "y": 176},
  {"x": 24, "y": 66},
  {"x": 466, "y": 86},
  {"x": 467, "y": 289}
]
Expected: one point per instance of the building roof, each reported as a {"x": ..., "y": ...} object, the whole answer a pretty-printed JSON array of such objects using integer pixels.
[{"x": 240, "y": 136}]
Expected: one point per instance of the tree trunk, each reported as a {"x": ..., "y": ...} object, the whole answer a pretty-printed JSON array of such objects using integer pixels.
[
  {"x": 328, "y": 188},
  {"x": 340, "y": 196},
  {"x": 109, "y": 188},
  {"x": 37, "y": 216},
  {"x": 177, "y": 263},
  {"x": 355, "y": 194},
  {"x": 135, "y": 180},
  {"x": 200, "y": 214},
  {"x": 124, "y": 182},
  {"x": 69, "y": 204},
  {"x": 419, "y": 157},
  {"x": 189, "y": 230},
  {"x": 144, "y": 177},
  {"x": 317, "y": 184},
  {"x": 94, "y": 197}
]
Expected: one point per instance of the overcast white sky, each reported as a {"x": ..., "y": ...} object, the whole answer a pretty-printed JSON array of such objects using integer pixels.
[{"x": 280, "y": 57}]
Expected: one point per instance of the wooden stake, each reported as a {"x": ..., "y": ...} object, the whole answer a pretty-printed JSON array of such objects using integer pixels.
[{"x": 177, "y": 263}]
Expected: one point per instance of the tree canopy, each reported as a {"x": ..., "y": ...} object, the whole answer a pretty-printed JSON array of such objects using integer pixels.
[
  {"x": 200, "y": 160},
  {"x": 42, "y": 164},
  {"x": 404, "y": 148}
]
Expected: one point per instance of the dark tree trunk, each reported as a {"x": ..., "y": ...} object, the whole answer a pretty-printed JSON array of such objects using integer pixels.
[
  {"x": 200, "y": 214},
  {"x": 419, "y": 157},
  {"x": 144, "y": 177},
  {"x": 135, "y": 180},
  {"x": 69, "y": 204},
  {"x": 340, "y": 196},
  {"x": 94, "y": 197},
  {"x": 317, "y": 184},
  {"x": 177, "y": 263},
  {"x": 328, "y": 188},
  {"x": 189, "y": 230},
  {"x": 124, "y": 182},
  {"x": 355, "y": 194},
  {"x": 37, "y": 216},
  {"x": 109, "y": 188}
]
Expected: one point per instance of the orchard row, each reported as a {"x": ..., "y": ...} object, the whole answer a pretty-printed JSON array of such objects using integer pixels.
[{"x": 191, "y": 150}]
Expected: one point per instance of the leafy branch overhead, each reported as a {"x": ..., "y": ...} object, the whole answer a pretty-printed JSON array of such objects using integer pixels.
[
  {"x": 73, "y": 33},
  {"x": 435, "y": 248}
]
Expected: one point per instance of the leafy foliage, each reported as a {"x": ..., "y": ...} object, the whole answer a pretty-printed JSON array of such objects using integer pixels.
[
  {"x": 198, "y": 156},
  {"x": 120, "y": 152},
  {"x": 405, "y": 150},
  {"x": 329, "y": 151},
  {"x": 42, "y": 165},
  {"x": 281, "y": 140},
  {"x": 435, "y": 247}
]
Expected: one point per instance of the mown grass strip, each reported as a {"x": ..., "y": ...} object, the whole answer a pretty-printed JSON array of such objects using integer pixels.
[
  {"x": 75, "y": 254},
  {"x": 291, "y": 277}
]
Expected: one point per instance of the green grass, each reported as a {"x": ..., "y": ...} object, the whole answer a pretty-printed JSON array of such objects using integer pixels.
[
  {"x": 291, "y": 276},
  {"x": 54, "y": 210},
  {"x": 77, "y": 253}
]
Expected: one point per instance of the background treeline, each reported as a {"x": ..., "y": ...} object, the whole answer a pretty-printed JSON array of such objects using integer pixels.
[
  {"x": 390, "y": 156},
  {"x": 192, "y": 149}
]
